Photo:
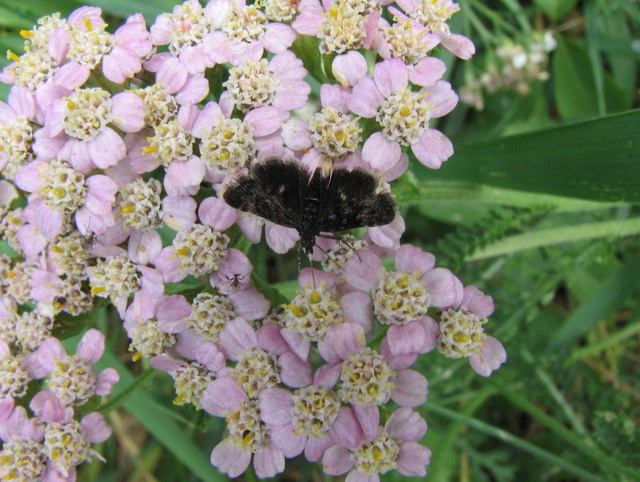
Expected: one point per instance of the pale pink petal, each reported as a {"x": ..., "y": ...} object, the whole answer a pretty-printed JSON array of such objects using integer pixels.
[
  {"x": 106, "y": 379},
  {"x": 357, "y": 307},
  {"x": 291, "y": 94},
  {"x": 442, "y": 96},
  {"x": 91, "y": 346},
  {"x": 96, "y": 427},
  {"x": 363, "y": 271},
  {"x": 432, "y": 332},
  {"x": 270, "y": 339},
  {"x": 433, "y": 148},
  {"x": 171, "y": 312},
  {"x": 405, "y": 424},
  {"x": 268, "y": 461},
  {"x": 380, "y": 152},
  {"x": 194, "y": 90},
  {"x": 444, "y": 288},
  {"x": 295, "y": 134},
  {"x": 342, "y": 340},
  {"x": 278, "y": 37},
  {"x": 172, "y": 74},
  {"x": 316, "y": 447},
  {"x": 49, "y": 221},
  {"x": 216, "y": 214},
  {"x": 237, "y": 337},
  {"x": 413, "y": 459},
  {"x": 391, "y": 76},
  {"x": 427, "y": 71},
  {"x": 71, "y": 75},
  {"x": 266, "y": 120},
  {"x": 249, "y": 304},
  {"x": 346, "y": 429},
  {"x": 336, "y": 461},
  {"x": 411, "y": 258},
  {"x": 294, "y": 371},
  {"x": 288, "y": 440},
  {"x": 275, "y": 406},
  {"x": 128, "y": 111},
  {"x": 229, "y": 460},
  {"x": 477, "y": 302},
  {"x": 106, "y": 149},
  {"x": 279, "y": 238},
  {"x": 101, "y": 194},
  {"x": 184, "y": 177},
  {"x": 457, "y": 44},
  {"x": 119, "y": 65},
  {"x": 22, "y": 102},
  {"x": 369, "y": 419},
  {"x": 411, "y": 388},
  {"x": 349, "y": 68},
  {"x": 221, "y": 396},
  {"x": 144, "y": 246},
  {"x": 296, "y": 343},
  {"x": 387, "y": 236},
  {"x": 491, "y": 355},
  {"x": 179, "y": 212},
  {"x": 365, "y": 98},
  {"x": 308, "y": 21},
  {"x": 406, "y": 339}
]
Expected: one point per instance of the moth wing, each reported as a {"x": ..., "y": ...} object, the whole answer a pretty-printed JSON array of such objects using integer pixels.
[
  {"x": 353, "y": 200},
  {"x": 272, "y": 191}
]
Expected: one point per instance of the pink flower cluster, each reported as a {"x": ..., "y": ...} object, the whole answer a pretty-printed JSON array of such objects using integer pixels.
[
  {"x": 117, "y": 178},
  {"x": 49, "y": 445}
]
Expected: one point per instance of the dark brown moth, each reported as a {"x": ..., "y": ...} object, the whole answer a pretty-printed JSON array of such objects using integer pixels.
[{"x": 286, "y": 193}]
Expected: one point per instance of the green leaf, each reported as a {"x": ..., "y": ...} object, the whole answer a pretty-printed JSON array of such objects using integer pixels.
[
  {"x": 556, "y": 9},
  {"x": 559, "y": 234},
  {"x": 12, "y": 20},
  {"x": 597, "y": 160},
  {"x": 574, "y": 82}
]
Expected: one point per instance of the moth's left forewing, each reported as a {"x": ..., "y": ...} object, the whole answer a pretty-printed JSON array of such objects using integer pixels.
[{"x": 271, "y": 190}]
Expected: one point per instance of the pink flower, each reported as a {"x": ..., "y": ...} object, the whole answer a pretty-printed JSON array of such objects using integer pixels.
[
  {"x": 435, "y": 31},
  {"x": 71, "y": 377},
  {"x": 16, "y": 133},
  {"x": 189, "y": 33},
  {"x": 403, "y": 114},
  {"x": 403, "y": 296},
  {"x": 130, "y": 45},
  {"x": 256, "y": 82},
  {"x": 461, "y": 333},
  {"x": 82, "y": 119},
  {"x": 248, "y": 31},
  {"x": 65, "y": 437},
  {"x": 301, "y": 420},
  {"x": 224, "y": 398},
  {"x": 367, "y": 450},
  {"x": 345, "y": 344}
]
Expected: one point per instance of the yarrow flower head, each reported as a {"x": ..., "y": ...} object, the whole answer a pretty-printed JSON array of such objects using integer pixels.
[
  {"x": 404, "y": 114},
  {"x": 114, "y": 171}
]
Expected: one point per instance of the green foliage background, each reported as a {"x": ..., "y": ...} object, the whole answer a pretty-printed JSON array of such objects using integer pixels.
[{"x": 538, "y": 207}]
